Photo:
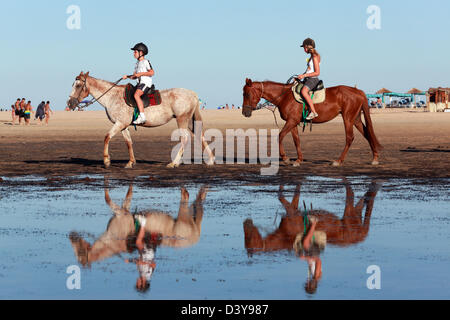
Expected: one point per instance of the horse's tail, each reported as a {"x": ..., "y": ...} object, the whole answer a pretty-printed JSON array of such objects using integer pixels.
[
  {"x": 196, "y": 116},
  {"x": 368, "y": 129}
]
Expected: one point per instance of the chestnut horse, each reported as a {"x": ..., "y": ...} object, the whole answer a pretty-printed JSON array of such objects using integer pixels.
[
  {"x": 345, "y": 231},
  {"x": 344, "y": 100}
]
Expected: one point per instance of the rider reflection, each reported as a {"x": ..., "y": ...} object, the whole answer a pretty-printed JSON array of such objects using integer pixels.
[{"x": 146, "y": 244}]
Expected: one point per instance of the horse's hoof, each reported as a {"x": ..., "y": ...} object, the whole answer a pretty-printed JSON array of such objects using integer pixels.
[
  {"x": 297, "y": 163},
  {"x": 375, "y": 163},
  {"x": 130, "y": 165},
  {"x": 173, "y": 165},
  {"x": 210, "y": 162},
  {"x": 107, "y": 165},
  {"x": 336, "y": 163},
  {"x": 287, "y": 161}
]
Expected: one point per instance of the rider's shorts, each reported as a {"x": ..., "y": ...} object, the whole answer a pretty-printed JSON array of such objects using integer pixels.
[{"x": 311, "y": 83}]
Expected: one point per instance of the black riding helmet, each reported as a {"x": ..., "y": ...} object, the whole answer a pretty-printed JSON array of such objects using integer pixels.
[{"x": 141, "y": 47}]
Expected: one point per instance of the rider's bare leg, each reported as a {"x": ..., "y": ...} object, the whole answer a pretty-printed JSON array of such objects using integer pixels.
[
  {"x": 305, "y": 95},
  {"x": 137, "y": 97}
]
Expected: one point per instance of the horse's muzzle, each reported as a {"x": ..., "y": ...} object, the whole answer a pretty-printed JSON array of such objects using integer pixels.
[
  {"x": 247, "y": 111},
  {"x": 72, "y": 103}
]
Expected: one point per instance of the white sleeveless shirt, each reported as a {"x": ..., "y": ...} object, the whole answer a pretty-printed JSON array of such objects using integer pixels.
[{"x": 310, "y": 66}]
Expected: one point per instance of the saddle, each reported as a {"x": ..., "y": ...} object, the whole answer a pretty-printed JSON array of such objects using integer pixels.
[
  {"x": 150, "y": 98},
  {"x": 318, "y": 92}
]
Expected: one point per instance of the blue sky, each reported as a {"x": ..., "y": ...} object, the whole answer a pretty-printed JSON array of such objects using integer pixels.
[{"x": 212, "y": 46}]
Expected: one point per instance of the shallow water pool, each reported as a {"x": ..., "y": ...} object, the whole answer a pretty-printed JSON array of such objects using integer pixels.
[{"x": 384, "y": 240}]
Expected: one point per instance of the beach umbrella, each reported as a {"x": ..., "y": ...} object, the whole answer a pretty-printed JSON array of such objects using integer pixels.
[
  {"x": 383, "y": 91},
  {"x": 414, "y": 91}
]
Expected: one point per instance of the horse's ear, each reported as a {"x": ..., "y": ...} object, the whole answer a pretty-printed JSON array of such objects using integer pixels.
[
  {"x": 87, "y": 74},
  {"x": 248, "y": 82}
]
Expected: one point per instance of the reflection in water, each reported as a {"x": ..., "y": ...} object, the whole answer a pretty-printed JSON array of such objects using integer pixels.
[
  {"x": 307, "y": 232},
  {"x": 144, "y": 231}
]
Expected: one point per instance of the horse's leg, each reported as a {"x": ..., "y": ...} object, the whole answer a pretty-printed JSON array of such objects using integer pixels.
[
  {"x": 127, "y": 137},
  {"x": 183, "y": 124},
  {"x": 287, "y": 127},
  {"x": 286, "y": 204},
  {"x": 204, "y": 144},
  {"x": 114, "y": 130},
  {"x": 184, "y": 225},
  {"x": 296, "y": 138},
  {"x": 369, "y": 199},
  {"x": 197, "y": 208},
  {"x": 362, "y": 128},
  {"x": 349, "y": 137},
  {"x": 211, "y": 157},
  {"x": 351, "y": 212},
  {"x": 126, "y": 204}
]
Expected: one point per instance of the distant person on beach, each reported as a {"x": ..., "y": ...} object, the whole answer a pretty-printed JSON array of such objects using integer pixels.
[
  {"x": 27, "y": 112},
  {"x": 22, "y": 110},
  {"x": 379, "y": 103},
  {"x": 16, "y": 110},
  {"x": 47, "y": 111},
  {"x": 13, "y": 114},
  {"x": 143, "y": 72},
  {"x": 40, "y": 113}
]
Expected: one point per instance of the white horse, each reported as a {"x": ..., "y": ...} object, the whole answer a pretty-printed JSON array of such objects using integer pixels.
[{"x": 178, "y": 103}]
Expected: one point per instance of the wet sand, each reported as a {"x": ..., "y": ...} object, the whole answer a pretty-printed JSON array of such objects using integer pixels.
[{"x": 416, "y": 145}]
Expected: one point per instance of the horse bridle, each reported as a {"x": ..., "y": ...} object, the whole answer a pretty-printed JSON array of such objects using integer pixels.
[
  {"x": 280, "y": 97},
  {"x": 82, "y": 89},
  {"x": 85, "y": 86}
]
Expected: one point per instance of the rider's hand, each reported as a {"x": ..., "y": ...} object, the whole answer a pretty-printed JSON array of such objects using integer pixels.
[{"x": 124, "y": 77}]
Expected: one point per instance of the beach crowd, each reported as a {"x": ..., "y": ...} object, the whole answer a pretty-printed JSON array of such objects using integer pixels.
[
  {"x": 227, "y": 107},
  {"x": 22, "y": 110}
]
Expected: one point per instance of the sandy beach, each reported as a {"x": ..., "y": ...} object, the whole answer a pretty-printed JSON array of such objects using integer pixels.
[{"x": 416, "y": 145}]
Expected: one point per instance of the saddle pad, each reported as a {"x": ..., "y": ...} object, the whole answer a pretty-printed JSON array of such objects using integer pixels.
[
  {"x": 149, "y": 99},
  {"x": 319, "y": 95}
]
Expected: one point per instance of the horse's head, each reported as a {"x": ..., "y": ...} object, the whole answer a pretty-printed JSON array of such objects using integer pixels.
[
  {"x": 79, "y": 90},
  {"x": 81, "y": 248},
  {"x": 251, "y": 98}
]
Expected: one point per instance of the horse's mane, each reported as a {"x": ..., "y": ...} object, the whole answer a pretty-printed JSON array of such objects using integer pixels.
[{"x": 273, "y": 82}]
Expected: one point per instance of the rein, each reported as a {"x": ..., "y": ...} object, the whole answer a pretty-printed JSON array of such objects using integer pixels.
[
  {"x": 268, "y": 103},
  {"x": 86, "y": 104}
]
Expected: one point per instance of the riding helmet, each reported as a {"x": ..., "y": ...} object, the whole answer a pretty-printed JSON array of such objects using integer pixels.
[
  {"x": 140, "y": 47},
  {"x": 308, "y": 42}
]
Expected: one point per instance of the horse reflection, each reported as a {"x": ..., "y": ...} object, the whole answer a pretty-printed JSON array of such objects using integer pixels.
[
  {"x": 297, "y": 229},
  {"x": 122, "y": 229}
]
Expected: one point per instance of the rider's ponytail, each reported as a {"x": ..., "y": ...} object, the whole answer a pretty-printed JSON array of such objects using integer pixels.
[{"x": 313, "y": 51}]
